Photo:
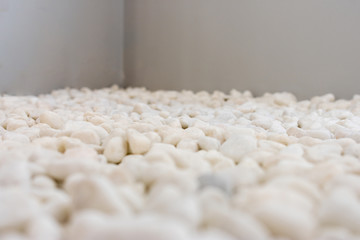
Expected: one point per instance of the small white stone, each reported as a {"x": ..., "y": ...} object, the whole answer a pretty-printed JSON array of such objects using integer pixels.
[
  {"x": 293, "y": 150},
  {"x": 308, "y": 141},
  {"x": 284, "y": 99},
  {"x": 153, "y": 136},
  {"x": 138, "y": 143},
  {"x": 233, "y": 132},
  {"x": 323, "y": 152},
  {"x": 141, "y": 108},
  {"x": 173, "y": 122},
  {"x": 13, "y": 124},
  {"x": 224, "y": 116},
  {"x": 63, "y": 144},
  {"x": 52, "y": 119},
  {"x": 142, "y": 127},
  {"x": 215, "y": 132},
  {"x": 277, "y": 127},
  {"x": 247, "y": 173},
  {"x": 188, "y": 144},
  {"x": 270, "y": 146},
  {"x": 101, "y": 132},
  {"x": 13, "y": 136},
  {"x": 322, "y": 134},
  {"x": 162, "y": 153},
  {"x": 218, "y": 160},
  {"x": 193, "y": 133},
  {"x": 76, "y": 160},
  {"x": 46, "y": 131},
  {"x": 170, "y": 201},
  {"x": 296, "y": 132},
  {"x": 282, "y": 138},
  {"x": 237, "y": 146},
  {"x": 94, "y": 193},
  {"x": 209, "y": 143},
  {"x": 93, "y": 118},
  {"x": 186, "y": 121},
  {"x": 115, "y": 149},
  {"x": 117, "y": 132},
  {"x": 263, "y": 123},
  {"x": 87, "y": 136},
  {"x": 170, "y": 135}
]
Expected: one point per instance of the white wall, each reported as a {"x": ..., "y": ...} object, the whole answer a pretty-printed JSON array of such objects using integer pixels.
[
  {"x": 309, "y": 47},
  {"x": 48, "y": 44}
]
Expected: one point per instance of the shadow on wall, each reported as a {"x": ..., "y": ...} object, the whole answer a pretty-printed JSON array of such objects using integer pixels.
[
  {"x": 50, "y": 44},
  {"x": 306, "y": 47}
]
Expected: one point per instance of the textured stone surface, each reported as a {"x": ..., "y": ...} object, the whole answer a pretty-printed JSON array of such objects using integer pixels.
[{"x": 135, "y": 164}]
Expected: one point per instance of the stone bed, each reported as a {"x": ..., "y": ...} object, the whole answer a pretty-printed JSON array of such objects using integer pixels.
[{"x": 133, "y": 164}]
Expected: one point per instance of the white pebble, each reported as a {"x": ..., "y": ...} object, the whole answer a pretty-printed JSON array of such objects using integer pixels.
[
  {"x": 237, "y": 146},
  {"x": 323, "y": 152},
  {"x": 188, "y": 144},
  {"x": 13, "y": 124},
  {"x": 13, "y": 136},
  {"x": 138, "y": 143},
  {"x": 170, "y": 201},
  {"x": 209, "y": 143},
  {"x": 87, "y": 136},
  {"x": 322, "y": 134},
  {"x": 52, "y": 119},
  {"x": 218, "y": 160},
  {"x": 76, "y": 160},
  {"x": 94, "y": 193},
  {"x": 115, "y": 149}
]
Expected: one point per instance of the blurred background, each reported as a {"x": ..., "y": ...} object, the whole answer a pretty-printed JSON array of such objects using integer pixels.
[
  {"x": 50, "y": 44},
  {"x": 306, "y": 47}
]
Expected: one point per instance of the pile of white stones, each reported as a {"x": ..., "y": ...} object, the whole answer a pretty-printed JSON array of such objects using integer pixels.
[{"x": 133, "y": 164}]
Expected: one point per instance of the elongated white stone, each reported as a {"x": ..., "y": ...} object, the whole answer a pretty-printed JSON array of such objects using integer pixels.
[
  {"x": 52, "y": 119},
  {"x": 138, "y": 143},
  {"x": 115, "y": 149}
]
